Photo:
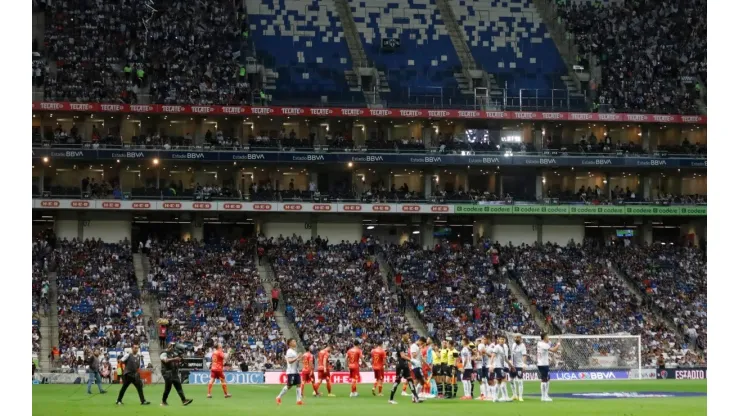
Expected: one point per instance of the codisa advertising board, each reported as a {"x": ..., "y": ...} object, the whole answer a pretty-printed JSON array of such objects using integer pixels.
[
  {"x": 329, "y": 112},
  {"x": 352, "y": 208},
  {"x": 416, "y": 159}
]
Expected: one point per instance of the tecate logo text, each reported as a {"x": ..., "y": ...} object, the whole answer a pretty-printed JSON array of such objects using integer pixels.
[
  {"x": 436, "y": 113},
  {"x": 380, "y": 113},
  {"x": 637, "y": 117},
  {"x": 690, "y": 119},
  {"x": 524, "y": 115},
  {"x": 232, "y": 110},
  {"x": 468, "y": 114},
  {"x": 80, "y": 107},
  {"x": 663, "y": 119},
  {"x": 410, "y": 113},
  {"x": 50, "y": 106},
  {"x": 351, "y": 112},
  {"x": 173, "y": 108},
  {"x": 201, "y": 109},
  {"x": 580, "y": 116},
  {"x": 291, "y": 111},
  {"x": 261, "y": 110},
  {"x": 552, "y": 116},
  {"x": 609, "y": 117},
  {"x": 139, "y": 108},
  {"x": 495, "y": 114},
  {"x": 111, "y": 107},
  {"x": 321, "y": 112}
]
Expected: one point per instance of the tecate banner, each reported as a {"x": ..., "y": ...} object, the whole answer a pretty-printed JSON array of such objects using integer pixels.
[
  {"x": 232, "y": 377},
  {"x": 337, "y": 377}
]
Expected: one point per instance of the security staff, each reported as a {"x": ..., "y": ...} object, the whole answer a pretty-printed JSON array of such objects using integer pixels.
[
  {"x": 131, "y": 363},
  {"x": 93, "y": 371},
  {"x": 170, "y": 366},
  {"x": 452, "y": 356}
]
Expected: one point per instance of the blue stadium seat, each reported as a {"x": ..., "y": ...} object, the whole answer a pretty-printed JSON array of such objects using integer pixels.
[
  {"x": 423, "y": 67},
  {"x": 508, "y": 39},
  {"x": 303, "y": 41}
]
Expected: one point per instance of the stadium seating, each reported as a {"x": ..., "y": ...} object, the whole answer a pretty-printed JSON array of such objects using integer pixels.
[
  {"x": 508, "y": 39},
  {"x": 304, "y": 43},
  {"x": 98, "y": 300},
  {"x": 210, "y": 292},
  {"x": 456, "y": 290},
  {"x": 422, "y": 69},
  {"x": 335, "y": 294}
]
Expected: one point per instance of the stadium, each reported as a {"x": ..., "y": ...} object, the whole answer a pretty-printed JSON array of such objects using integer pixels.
[{"x": 402, "y": 206}]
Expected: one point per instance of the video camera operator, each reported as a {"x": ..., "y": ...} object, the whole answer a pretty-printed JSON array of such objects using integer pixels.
[
  {"x": 171, "y": 360},
  {"x": 92, "y": 359}
]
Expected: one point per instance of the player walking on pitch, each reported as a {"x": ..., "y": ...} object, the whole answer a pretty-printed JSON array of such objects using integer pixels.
[
  {"x": 402, "y": 370},
  {"x": 544, "y": 348},
  {"x": 379, "y": 358},
  {"x": 291, "y": 370},
  {"x": 518, "y": 352},
  {"x": 500, "y": 365},
  {"x": 324, "y": 371},
  {"x": 467, "y": 365},
  {"x": 217, "y": 371},
  {"x": 307, "y": 373},
  {"x": 483, "y": 361},
  {"x": 354, "y": 358}
]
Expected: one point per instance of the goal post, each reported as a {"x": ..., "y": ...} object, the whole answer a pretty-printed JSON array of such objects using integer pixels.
[{"x": 590, "y": 354}]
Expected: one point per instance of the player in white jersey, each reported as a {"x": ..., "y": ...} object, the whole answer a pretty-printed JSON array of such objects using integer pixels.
[
  {"x": 508, "y": 371},
  {"x": 501, "y": 364},
  {"x": 291, "y": 370},
  {"x": 483, "y": 367},
  {"x": 490, "y": 357},
  {"x": 518, "y": 352},
  {"x": 544, "y": 348},
  {"x": 466, "y": 357},
  {"x": 416, "y": 363}
]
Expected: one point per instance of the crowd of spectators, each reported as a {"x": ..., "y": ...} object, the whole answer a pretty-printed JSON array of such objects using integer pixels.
[
  {"x": 209, "y": 293},
  {"x": 458, "y": 290},
  {"x": 646, "y": 50},
  {"x": 577, "y": 291},
  {"x": 673, "y": 278},
  {"x": 98, "y": 298},
  {"x": 335, "y": 293},
  {"x": 39, "y": 288}
]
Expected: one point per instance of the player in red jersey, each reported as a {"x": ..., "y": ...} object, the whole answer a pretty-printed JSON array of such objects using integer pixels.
[
  {"x": 324, "y": 370},
  {"x": 354, "y": 358},
  {"x": 217, "y": 371},
  {"x": 307, "y": 373},
  {"x": 379, "y": 357}
]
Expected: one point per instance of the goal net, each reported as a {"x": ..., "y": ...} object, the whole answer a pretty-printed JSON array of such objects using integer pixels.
[{"x": 594, "y": 353}]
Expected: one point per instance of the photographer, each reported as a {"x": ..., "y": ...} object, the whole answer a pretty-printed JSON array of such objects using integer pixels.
[
  {"x": 131, "y": 363},
  {"x": 170, "y": 365},
  {"x": 93, "y": 370}
]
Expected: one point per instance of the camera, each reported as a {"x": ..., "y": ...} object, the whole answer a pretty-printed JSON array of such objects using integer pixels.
[{"x": 180, "y": 349}]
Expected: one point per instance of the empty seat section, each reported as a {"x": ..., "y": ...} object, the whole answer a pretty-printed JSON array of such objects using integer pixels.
[
  {"x": 508, "y": 39},
  {"x": 421, "y": 70},
  {"x": 303, "y": 41}
]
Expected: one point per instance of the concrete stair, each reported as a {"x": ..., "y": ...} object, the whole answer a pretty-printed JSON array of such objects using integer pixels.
[
  {"x": 411, "y": 314},
  {"x": 524, "y": 300},
  {"x": 287, "y": 328},
  {"x": 149, "y": 306},
  {"x": 52, "y": 321}
]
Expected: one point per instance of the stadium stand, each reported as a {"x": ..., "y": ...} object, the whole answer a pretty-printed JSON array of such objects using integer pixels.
[
  {"x": 98, "y": 300},
  {"x": 39, "y": 290},
  {"x": 421, "y": 71},
  {"x": 303, "y": 41},
  {"x": 644, "y": 63},
  {"x": 209, "y": 292},
  {"x": 335, "y": 293},
  {"x": 457, "y": 290}
]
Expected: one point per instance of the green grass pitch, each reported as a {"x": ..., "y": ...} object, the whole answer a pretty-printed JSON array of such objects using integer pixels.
[{"x": 260, "y": 400}]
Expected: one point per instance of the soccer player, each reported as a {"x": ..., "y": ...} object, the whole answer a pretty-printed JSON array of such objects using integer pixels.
[
  {"x": 467, "y": 364},
  {"x": 436, "y": 368},
  {"x": 379, "y": 358},
  {"x": 444, "y": 353},
  {"x": 483, "y": 360},
  {"x": 324, "y": 371},
  {"x": 426, "y": 366},
  {"x": 416, "y": 358},
  {"x": 500, "y": 361},
  {"x": 354, "y": 358},
  {"x": 291, "y": 370},
  {"x": 307, "y": 373},
  {"x": 544, "y": 348},
  {"x": 217, "y": 371},
  {"x": 518, "y": 352},
  {"x": 402, "y": 370}
]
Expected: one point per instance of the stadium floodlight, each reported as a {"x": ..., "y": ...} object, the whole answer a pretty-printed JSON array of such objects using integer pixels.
[{"x": 601, "y": 354}]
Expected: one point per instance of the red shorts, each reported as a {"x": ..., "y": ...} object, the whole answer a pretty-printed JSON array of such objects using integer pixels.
[
  {"x": 324, "y": 375},
  {"x": 354, "y": 374},
  {"x": 307, "y": 377},
  {"x": 218, "y": 375},
  {"x": 379, "y": 374}
]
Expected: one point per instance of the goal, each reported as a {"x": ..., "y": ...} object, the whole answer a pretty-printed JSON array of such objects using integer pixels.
[{"x": 591, "y": 352}]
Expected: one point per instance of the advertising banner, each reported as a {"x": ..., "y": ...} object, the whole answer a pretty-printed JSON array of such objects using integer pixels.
[
  {"x": 192, "y": 364},
  {"x": 645, "y": 374},
  {"x": 350, "y": 208},
  {"x": 337, "y": 377},
  {"x": 699, "y": 373},
  {"x": 590, "y": 375},
  {"x": 374, "y": 159},
  {"x": 335, "y": 112},
  {"x": 232, "y": 377}
]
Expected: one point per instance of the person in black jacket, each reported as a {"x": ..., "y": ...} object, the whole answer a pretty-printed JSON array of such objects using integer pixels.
[
  {"x": 93, "y": 371},
  {"x": 131, "y": 363}
]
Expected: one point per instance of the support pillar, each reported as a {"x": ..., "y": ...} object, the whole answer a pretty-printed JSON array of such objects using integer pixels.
[{"x": 538, "y": 187}]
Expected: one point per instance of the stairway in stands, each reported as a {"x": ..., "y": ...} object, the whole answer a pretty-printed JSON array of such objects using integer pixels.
[
  {"x": 149, "y": 306},
  {"x": 49, "y": 325},
  {"x": 267, "y": 277},
  {"x": 410, "y": 312},
  {"x": 524, "y": 300}
]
